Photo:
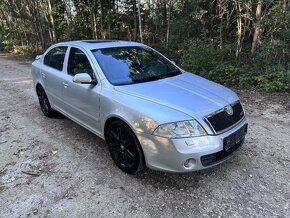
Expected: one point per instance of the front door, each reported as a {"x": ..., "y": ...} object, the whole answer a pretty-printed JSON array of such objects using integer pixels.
[{"x": 81, "y": 100}]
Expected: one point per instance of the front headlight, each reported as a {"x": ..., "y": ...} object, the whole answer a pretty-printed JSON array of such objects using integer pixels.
[{"x": 182, "y": 129}]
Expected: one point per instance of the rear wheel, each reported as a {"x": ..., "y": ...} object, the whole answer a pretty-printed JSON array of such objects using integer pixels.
[
  {"x": 44, "y": 103},
  {"x": 124, "y": 148}
]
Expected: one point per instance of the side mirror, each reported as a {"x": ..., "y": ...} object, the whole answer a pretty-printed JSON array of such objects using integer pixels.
[
  {"x": 38, "y": 57},
  {"x": 173, "y": 62},
  {"x": 83, "y": 78}
]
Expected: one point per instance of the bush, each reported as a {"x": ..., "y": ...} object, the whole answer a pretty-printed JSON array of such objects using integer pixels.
[
  {"x": 27, "y": 50},
  {"x": 267, "y": 70},
  {"x": 272, "y": 54},
  {"x": 7, "y": 45},
  {"x": 203, "y": 56},
  {"x": 273, "y": 80},
  {"x": 228, "y": 75}
]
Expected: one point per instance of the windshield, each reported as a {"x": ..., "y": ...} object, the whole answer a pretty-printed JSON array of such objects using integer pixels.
[{"x": 129, "y": 65}]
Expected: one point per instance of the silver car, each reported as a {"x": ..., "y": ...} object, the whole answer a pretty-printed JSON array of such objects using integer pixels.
[{"x": 150, "y": 112}]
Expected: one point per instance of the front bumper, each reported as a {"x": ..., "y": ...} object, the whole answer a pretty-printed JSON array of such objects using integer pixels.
[{"x": 188, "y": 154}]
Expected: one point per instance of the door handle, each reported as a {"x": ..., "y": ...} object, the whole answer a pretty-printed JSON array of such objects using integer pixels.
[
  {"x": 43, "y": 75},
  {"x": 65, "y": 84}
]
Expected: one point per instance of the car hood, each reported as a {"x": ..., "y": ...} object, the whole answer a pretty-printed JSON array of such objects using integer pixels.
[{"x": 188, "y": 93}]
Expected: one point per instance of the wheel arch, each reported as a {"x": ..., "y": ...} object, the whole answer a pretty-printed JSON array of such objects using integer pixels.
[
  {"x": 38, "y": 85},
  {"x": 113, "y": 118}
]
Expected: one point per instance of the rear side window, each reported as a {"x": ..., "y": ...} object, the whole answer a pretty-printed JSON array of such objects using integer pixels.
[
  {"x": 55, "y": 57},
  {"x": 78, "y": 63}
]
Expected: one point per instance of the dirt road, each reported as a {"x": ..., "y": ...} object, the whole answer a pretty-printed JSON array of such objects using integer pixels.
[{"x": 55, "y": 168}]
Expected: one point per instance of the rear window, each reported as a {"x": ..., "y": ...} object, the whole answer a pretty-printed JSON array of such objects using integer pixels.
[{"x": 55, "y": 57}]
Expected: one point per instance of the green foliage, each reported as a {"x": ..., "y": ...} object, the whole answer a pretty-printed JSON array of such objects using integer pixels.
[
  {"x": 228, "y": 75},
  {"x": 204, "y": 55},
  {"x": 267, "y": 71},
  {"x": 7, "y": 45},
  {"x": 277, "y": 53},
  {"x": 284, "y": 34},
  {"x": 275, "y": 16},
  {"x": 274, "y": 80},
  {"x": 27, "y": 50},
  {"x": 202, "y": 36}
]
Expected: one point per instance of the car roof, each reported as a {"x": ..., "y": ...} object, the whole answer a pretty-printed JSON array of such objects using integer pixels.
[{"x": 97, "y": 44}]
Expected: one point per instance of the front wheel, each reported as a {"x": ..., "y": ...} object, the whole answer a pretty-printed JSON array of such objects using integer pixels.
[
  {"x": 44, "y": 103},
  {"x": 125, "y": 148}
]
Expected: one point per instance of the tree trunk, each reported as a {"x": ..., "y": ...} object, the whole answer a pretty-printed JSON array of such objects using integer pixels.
[
  {"x": 239, "y": 28},
  {"x": 257, "y": 27},
  {"x": 109, "y": 21},
  {"x": 68, "y": 18},
  {"x": 135, "y": 20},
  {"x": 103, "y": 35},
  {"x": 47, "y": 20},
  {"x": 140, "y": 22},
  {"x": 51, "y": 21},
  {"x": 39, "y": 24},
  {"x": 222, "y": 9},
  {"x": 168, "y": 23},
  {"x": 94, "y": 24},
  {"x": 92, "y": 7},
  {"x": 31, "y": 13},
  {"x": 284, "y": 5}
]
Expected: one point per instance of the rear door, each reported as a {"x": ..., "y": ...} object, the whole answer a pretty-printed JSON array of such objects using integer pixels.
[
  {"x": 52, "y": 73},
  {"x": 82, "y": 101}
]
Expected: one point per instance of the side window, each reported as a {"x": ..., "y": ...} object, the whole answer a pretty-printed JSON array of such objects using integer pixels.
[
  {"x": 78, "y": 63},
  {"x": 55, "y": 57}
]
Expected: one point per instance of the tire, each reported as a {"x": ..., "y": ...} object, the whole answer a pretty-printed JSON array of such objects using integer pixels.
[
  {"x": 125, "y": 148},
  {"x": 44, "y": 103}
]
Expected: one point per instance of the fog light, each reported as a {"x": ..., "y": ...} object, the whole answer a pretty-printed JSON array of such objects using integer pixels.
[{"x": 189, "y": 163}]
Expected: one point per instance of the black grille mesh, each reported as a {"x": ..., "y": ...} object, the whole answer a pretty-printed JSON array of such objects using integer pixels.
[{"x": 223, "y": 120}]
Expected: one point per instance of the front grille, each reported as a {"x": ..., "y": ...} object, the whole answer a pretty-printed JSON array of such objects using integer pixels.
[
  {"x": 222, "y": 120},
  {"x": 210, "y": 159}
]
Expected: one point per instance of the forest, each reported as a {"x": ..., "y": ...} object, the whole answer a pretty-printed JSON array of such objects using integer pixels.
[{"x": 243, "y": 44}]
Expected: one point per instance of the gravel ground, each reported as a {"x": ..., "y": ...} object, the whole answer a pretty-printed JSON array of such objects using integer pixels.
[{"x": 55, "y": 168}]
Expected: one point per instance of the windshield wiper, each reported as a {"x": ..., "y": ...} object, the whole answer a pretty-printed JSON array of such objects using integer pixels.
[
  {"x": 123, "y": 83},
  {"x": 172, "y": 73},
  {"x": 158, "y": 77},
  {"x": 149, "y": 79}
]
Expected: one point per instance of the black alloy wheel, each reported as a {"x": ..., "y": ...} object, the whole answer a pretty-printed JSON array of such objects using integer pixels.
[
  {"x": 44, "y": 103},
  {"x": 125, "y": 148}
]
